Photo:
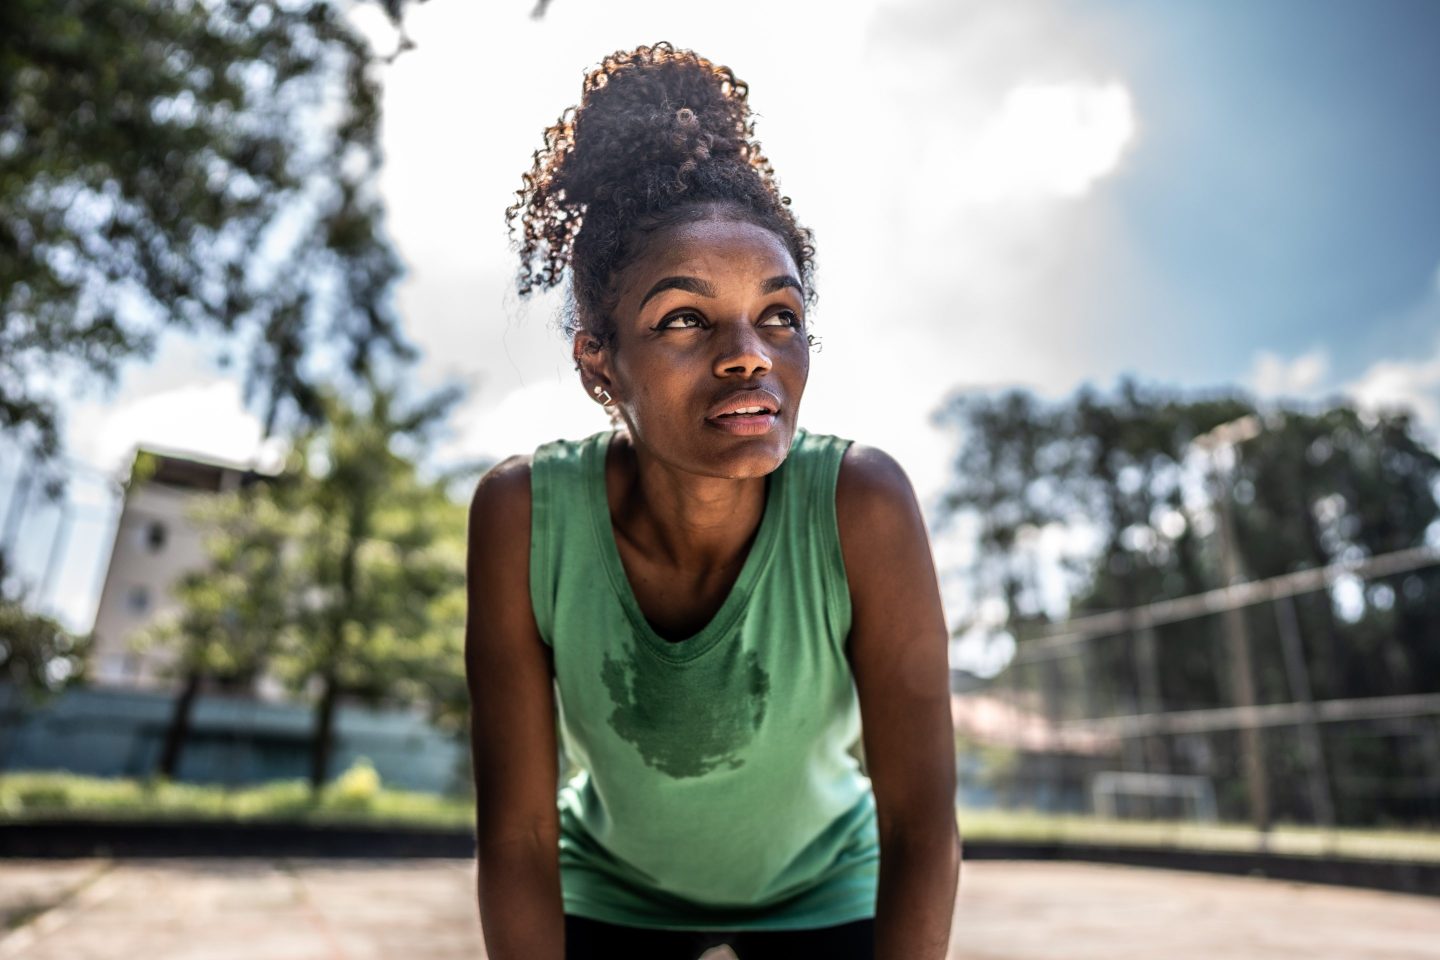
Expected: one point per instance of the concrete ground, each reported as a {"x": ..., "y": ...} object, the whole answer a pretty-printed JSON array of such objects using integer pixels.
[{"x": 424, "y": 910}]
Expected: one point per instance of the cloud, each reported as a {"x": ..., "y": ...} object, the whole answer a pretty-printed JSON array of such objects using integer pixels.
[
  {"x": 1390, "y": 384},
  {"x": 205, "y": 417},
  {"x": 1274, "y": 376},
  {"x": 521, "y": 420},
  {"x": 1049, "y": 140},
  {"x": 1411, "y": 384}
]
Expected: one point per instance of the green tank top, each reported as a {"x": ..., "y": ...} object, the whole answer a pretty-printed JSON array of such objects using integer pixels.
[{"x": 716, "y": 788}]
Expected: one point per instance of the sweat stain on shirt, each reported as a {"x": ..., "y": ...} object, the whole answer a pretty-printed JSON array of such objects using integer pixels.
[{"x": 687, "y": 723}]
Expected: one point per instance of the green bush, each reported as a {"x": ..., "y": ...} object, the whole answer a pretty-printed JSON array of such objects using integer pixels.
[
  {"x": 356, "y": 796},
  {"x": 354, "y": 790},
  {"x": 44, "y": 796}
]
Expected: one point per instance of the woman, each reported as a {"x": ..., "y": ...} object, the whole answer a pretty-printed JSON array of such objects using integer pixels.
[{"x": 713, "y": 599}]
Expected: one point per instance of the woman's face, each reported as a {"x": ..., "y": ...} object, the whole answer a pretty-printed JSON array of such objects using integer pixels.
[{"x": 710, "y": 354}]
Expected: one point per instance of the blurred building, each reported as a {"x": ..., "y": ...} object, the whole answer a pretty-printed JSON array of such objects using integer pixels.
[{"x": 156, "y": 543}]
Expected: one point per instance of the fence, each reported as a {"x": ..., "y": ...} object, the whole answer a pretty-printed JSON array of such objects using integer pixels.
[{"x": 1310, "y": 698}]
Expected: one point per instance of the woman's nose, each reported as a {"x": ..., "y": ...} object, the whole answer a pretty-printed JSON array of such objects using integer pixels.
[{"x": 742, "y": 352}]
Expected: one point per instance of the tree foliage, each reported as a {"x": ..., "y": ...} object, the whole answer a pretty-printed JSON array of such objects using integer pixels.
[
  {"x": 38, "y": 656},
  {"x": 1115, "y": 466},
  {"x": 375, "y": 548},
  {"x": 342, "y": 576},
  {"x": 1315, "y": 487},
  {"x": 202, "y": 164},
  {"x": 1122, "y": 471}
]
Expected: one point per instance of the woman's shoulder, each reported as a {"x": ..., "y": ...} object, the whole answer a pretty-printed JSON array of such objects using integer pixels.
[
  {"x": 865, "y": 477},
  {"x": 509, "y": 481},
  {"x": 874, "y": 501},
  {"x": 870, "y": 477},
  {"x": 500, "y": 506},
  {"x": 505, "y": 481},
  {"x": 505, "y": 493}
]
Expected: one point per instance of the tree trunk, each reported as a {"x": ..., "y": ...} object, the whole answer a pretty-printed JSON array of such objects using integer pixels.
[
  {"x": 357, "y": 528},
  {"x": 11, "y": 720},
  {"x": 179, "y": 729},
  {"x": 320, "y": 744}
]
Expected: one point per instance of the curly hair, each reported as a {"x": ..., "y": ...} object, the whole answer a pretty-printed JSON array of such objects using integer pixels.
[{"x": 661, "y": 136}]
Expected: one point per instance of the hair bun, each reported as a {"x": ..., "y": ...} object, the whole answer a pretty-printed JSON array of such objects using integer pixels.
[
  {"x": 653, "y": 107},
  {"x": 656, "y": 129}
]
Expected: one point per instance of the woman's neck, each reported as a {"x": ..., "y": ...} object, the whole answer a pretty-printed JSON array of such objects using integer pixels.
[{"x": 687, "y": 521}]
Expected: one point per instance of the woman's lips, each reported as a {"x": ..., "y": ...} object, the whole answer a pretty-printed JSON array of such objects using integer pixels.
[
  {"x": 745, "y": 424},
  {"x": 751, "y": 400},
  {"x": 749, "y": 412}
]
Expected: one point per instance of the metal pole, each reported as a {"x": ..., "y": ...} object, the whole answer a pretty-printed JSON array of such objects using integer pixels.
[
  {"x": 1209, "y": 720},
  {"x": 1057, "y": 639},
  {"x": 1050, "y": 692},
  {"x": 1311, "y": 750},
  {"x": 1147, "y": 668},
  {"x": 1242, "y": 673}
]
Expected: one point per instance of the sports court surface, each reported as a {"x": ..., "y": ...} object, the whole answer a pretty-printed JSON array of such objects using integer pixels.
[{"x": 424, "y": 910}]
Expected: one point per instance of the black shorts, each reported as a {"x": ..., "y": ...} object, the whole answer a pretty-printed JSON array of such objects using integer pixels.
[{"x": 594, "y": 940}]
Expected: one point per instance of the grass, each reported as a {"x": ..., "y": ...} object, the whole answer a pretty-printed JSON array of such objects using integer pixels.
[
  {"x": 358, "y": 797},
  {"x": 1299, "y": 840}
]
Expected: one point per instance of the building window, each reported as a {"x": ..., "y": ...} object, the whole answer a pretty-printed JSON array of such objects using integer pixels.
[
  {"x": 138, "y": 599},
  {"x": 155, "y": 536}
]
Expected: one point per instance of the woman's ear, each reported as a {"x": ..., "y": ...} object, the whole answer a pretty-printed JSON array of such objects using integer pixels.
[{"x": 593, "y": 362}]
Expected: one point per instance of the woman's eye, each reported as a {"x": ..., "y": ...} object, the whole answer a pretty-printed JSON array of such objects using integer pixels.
[
  {"x": 680, "y": 321},
  {"x": 785, "y": 318}
]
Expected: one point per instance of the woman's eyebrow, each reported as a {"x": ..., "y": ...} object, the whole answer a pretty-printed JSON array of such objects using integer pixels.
[
  {"x": 691, "y": 284},
  {"x": 780, "y": 283}
]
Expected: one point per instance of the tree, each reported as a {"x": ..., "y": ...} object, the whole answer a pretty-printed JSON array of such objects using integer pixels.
[
  {"x": 38, "y": 658},
  {"x": 1113, "y": 464},
  {"x": 377, "y": 548},
  {"x": 202, "y": 164},
  {"x": 342, "y": 575},
  {"x": 231, "y": 613},
  {"x": 1314, "y": 487}
]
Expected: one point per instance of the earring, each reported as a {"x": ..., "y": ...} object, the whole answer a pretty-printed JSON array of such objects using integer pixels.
[{"x": 601, "y": 392}]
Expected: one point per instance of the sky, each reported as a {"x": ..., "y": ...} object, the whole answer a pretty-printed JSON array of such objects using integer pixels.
[{"x": 1022, "y": 193}]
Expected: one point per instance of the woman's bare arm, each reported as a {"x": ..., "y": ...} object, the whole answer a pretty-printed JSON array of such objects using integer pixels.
[
  {"x": 512, "y": 728},
  {"x": 898, "y": 652}
]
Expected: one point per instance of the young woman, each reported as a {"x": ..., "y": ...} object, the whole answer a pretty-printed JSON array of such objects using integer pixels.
[{"x": 711, "y": 602}]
